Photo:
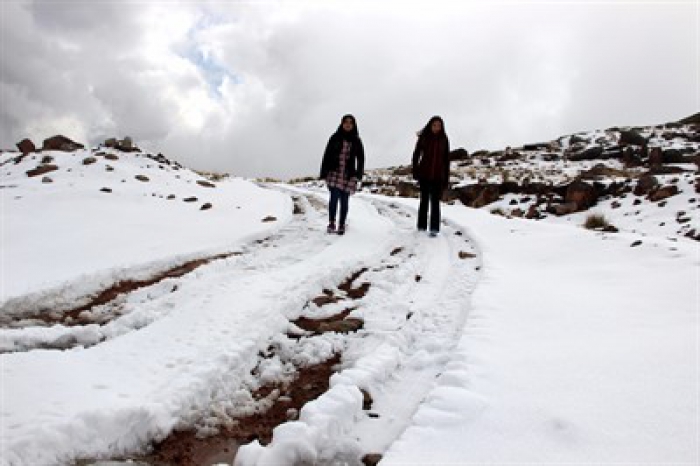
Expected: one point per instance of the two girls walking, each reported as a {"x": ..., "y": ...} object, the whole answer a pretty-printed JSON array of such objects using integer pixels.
[{"x": 343, "y": 166}]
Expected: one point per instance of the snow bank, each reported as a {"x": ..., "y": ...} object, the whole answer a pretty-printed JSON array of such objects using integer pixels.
[{"x": 579, "y": 349}]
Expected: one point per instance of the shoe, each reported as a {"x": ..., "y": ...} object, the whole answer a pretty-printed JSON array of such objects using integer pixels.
[
  {"x": 341, "y": 230},
  {"x": 433, "y": 233},
  {"x": 331, "y": 228}
]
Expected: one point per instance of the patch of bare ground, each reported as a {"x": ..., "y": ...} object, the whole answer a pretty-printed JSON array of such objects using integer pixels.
[
  {"x": 77, "y": 316},
  {"x": 185, "y": 449}
]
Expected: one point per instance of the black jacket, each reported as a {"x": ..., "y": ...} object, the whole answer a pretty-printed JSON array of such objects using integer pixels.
[{"x": 354, "y": 168}]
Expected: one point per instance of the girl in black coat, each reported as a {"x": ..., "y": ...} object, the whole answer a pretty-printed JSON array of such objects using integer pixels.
[
  {"x": 431, "y": 167},
  {"x": 342, "y": 167}
]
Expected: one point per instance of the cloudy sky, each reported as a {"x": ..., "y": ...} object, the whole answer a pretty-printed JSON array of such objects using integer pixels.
[{"x": 256, "y": 87}]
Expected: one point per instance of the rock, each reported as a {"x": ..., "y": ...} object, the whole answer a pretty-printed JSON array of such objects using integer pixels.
[
  {"x": 41, "y": 169},
  {"x": 143, "y": 178},
  {"x": 111, "y": 157},
  {"x": 466, "y": 255},
  {"x": 111, "y": 142},
  {"x": 673, "y": 156},
  {"x": 371, "y": 459},
  {"x": 126, "y": 144},
  {"x": 637, "y": 202},
  {"x": 46, "y": 179},
  {"x": 663, "y": 193},
  {"x": 636, "y": 243},
  {"x": 632, "y": 137},
  {"x": 26, "y": 146},
  {"x": 610, "y": 229},
  {"x": 109, "y": 168},
  {"x": 190, "y": 199},
  {"x": 170, "y": 197},
  {"x": 601, "y": 171},
  {"x": 615, "y": 205},
  {"x": 46, "y": 159},
  {"x": 582, "y": 194},
  {"x": 89, "y": 160},
  {"x": 533, "y": 213},
  {"x": 408, "y": 189},
  {"x": 564, "y": 209},
  {"x": 269, "y": 218},
  {"x": 61, "y": 143},
  {"x": 645, "y": 184},
  {"x": 206, "y": 206},
  {"x": 366, "y": 400},
  {"x": 458, "y": 154},
  {"x": 591, "y": 153},
  {"x": 206, "y": 184},
  {"x": 576, "y": 139},
  {"x": 106, "y": 190},
  {"x": 341, "y": 326},
  {"x": 487, "y": 195},
  {"x": 518, "y": 213}
]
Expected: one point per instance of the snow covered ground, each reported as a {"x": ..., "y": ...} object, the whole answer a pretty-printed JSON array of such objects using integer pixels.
[{"x": 501, "y": 341}]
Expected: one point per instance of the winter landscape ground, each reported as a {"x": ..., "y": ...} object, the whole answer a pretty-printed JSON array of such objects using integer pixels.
[{"x": 153, "y": 315}]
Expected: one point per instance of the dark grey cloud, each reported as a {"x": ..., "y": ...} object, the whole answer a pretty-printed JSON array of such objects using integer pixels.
[{"x": 256, "y": 89}]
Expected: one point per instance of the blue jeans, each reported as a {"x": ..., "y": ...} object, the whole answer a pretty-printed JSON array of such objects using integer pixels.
[{"x": 343, "y": 197}]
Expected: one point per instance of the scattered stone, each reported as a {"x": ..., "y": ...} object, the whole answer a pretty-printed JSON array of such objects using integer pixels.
[
  {"x": 26, "y": 146},
  {"x": 269, "y": 218},
  {"x": 371, "y": 459},
  {"x": 582, "y": 194},
  {"x": 645, "y": 184},
  {"x": 46, "y": 179},
  {"x": 206, "y": 206},
  {"x": 637, "y": 202},
  {"x": 518, "y": 213},
  {"x": 143, "y": 178},
  {"x": 170, "y": 197},
  {"x": 564, "y": 209},
  {"x": 61, "y": 143},
  {"x": 109, "y": 168},
  {"x": 111, "y": 157},
  {"x": 663, "y": 193},
  {"x": 615, "y": 205},
  {"x": 106, "y": 190},
  {"x": 41, "y": 169},
  {"x": 206, "y": 184},
  {"x": 635, "y": 244},
  {"x": 190, "y": 199},
  {"x": 46, "y": 159},
  {"x": 466, "y": 255},
  {"x": 610, "y": 229},
  {"x": 418, "y": 278},
  {"x": 366, "y": 400},
  {"x": 533, "y": 213},
  {"x": 89, "y": 160}
]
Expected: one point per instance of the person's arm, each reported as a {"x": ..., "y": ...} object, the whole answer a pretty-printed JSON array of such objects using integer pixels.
[
  {"x": 447, "y": 162},
  {"x": 326, "y": 160},
  {"x": 416, "y": 158},
  {"x": 360, "y": 172}
]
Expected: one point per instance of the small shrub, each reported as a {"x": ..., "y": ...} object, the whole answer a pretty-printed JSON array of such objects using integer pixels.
[{"x": 595, "y": 221}]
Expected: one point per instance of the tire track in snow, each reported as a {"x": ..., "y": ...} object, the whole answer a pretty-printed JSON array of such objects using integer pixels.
[{"x": 413, "y": 315}]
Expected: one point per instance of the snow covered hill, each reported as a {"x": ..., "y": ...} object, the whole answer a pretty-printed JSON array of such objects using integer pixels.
[{"x": 138, "y": 326}]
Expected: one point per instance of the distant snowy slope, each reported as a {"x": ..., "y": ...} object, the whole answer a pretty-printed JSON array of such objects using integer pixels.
[
  {"x": 579, "y": 349},
  {"x": 103, "y": 211}
]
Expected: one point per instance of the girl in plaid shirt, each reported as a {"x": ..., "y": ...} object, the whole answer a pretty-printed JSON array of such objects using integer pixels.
[{"x": 342, "y": 168}]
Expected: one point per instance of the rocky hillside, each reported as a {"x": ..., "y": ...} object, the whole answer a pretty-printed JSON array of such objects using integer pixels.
[{"x": 642, "y": 179}]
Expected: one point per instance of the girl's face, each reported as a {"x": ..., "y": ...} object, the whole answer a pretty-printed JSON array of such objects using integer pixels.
[
  {"x": 436, "y": 126},
  {"x": 348, "y": 124}
]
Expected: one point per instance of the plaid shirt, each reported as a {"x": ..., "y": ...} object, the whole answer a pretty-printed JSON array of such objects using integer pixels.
[{"x": 336, "y": 178}]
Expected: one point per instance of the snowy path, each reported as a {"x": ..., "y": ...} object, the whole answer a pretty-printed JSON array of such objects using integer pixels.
[{"x": 175, "y": 355}]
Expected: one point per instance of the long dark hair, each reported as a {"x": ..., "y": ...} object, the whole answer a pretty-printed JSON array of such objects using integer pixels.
[
  {"x": 353, "y": 134},
  {"x": 427, "y": 131}
]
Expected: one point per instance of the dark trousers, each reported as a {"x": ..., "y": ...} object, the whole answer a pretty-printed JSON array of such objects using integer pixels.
[
  {"x": 430, "y": 193},
  {"x": 343, "y": 197}
]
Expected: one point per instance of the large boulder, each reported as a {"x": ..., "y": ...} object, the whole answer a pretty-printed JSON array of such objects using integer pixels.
[
  {"x": 61, "y": 143},
  {"x": 583, "y": 194},
  {"x": 663, "y": 193},
  {"x": 26, "y": 146},
  {"x": 645, "y": 184},
  {"x": 632, "y": 138}
]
